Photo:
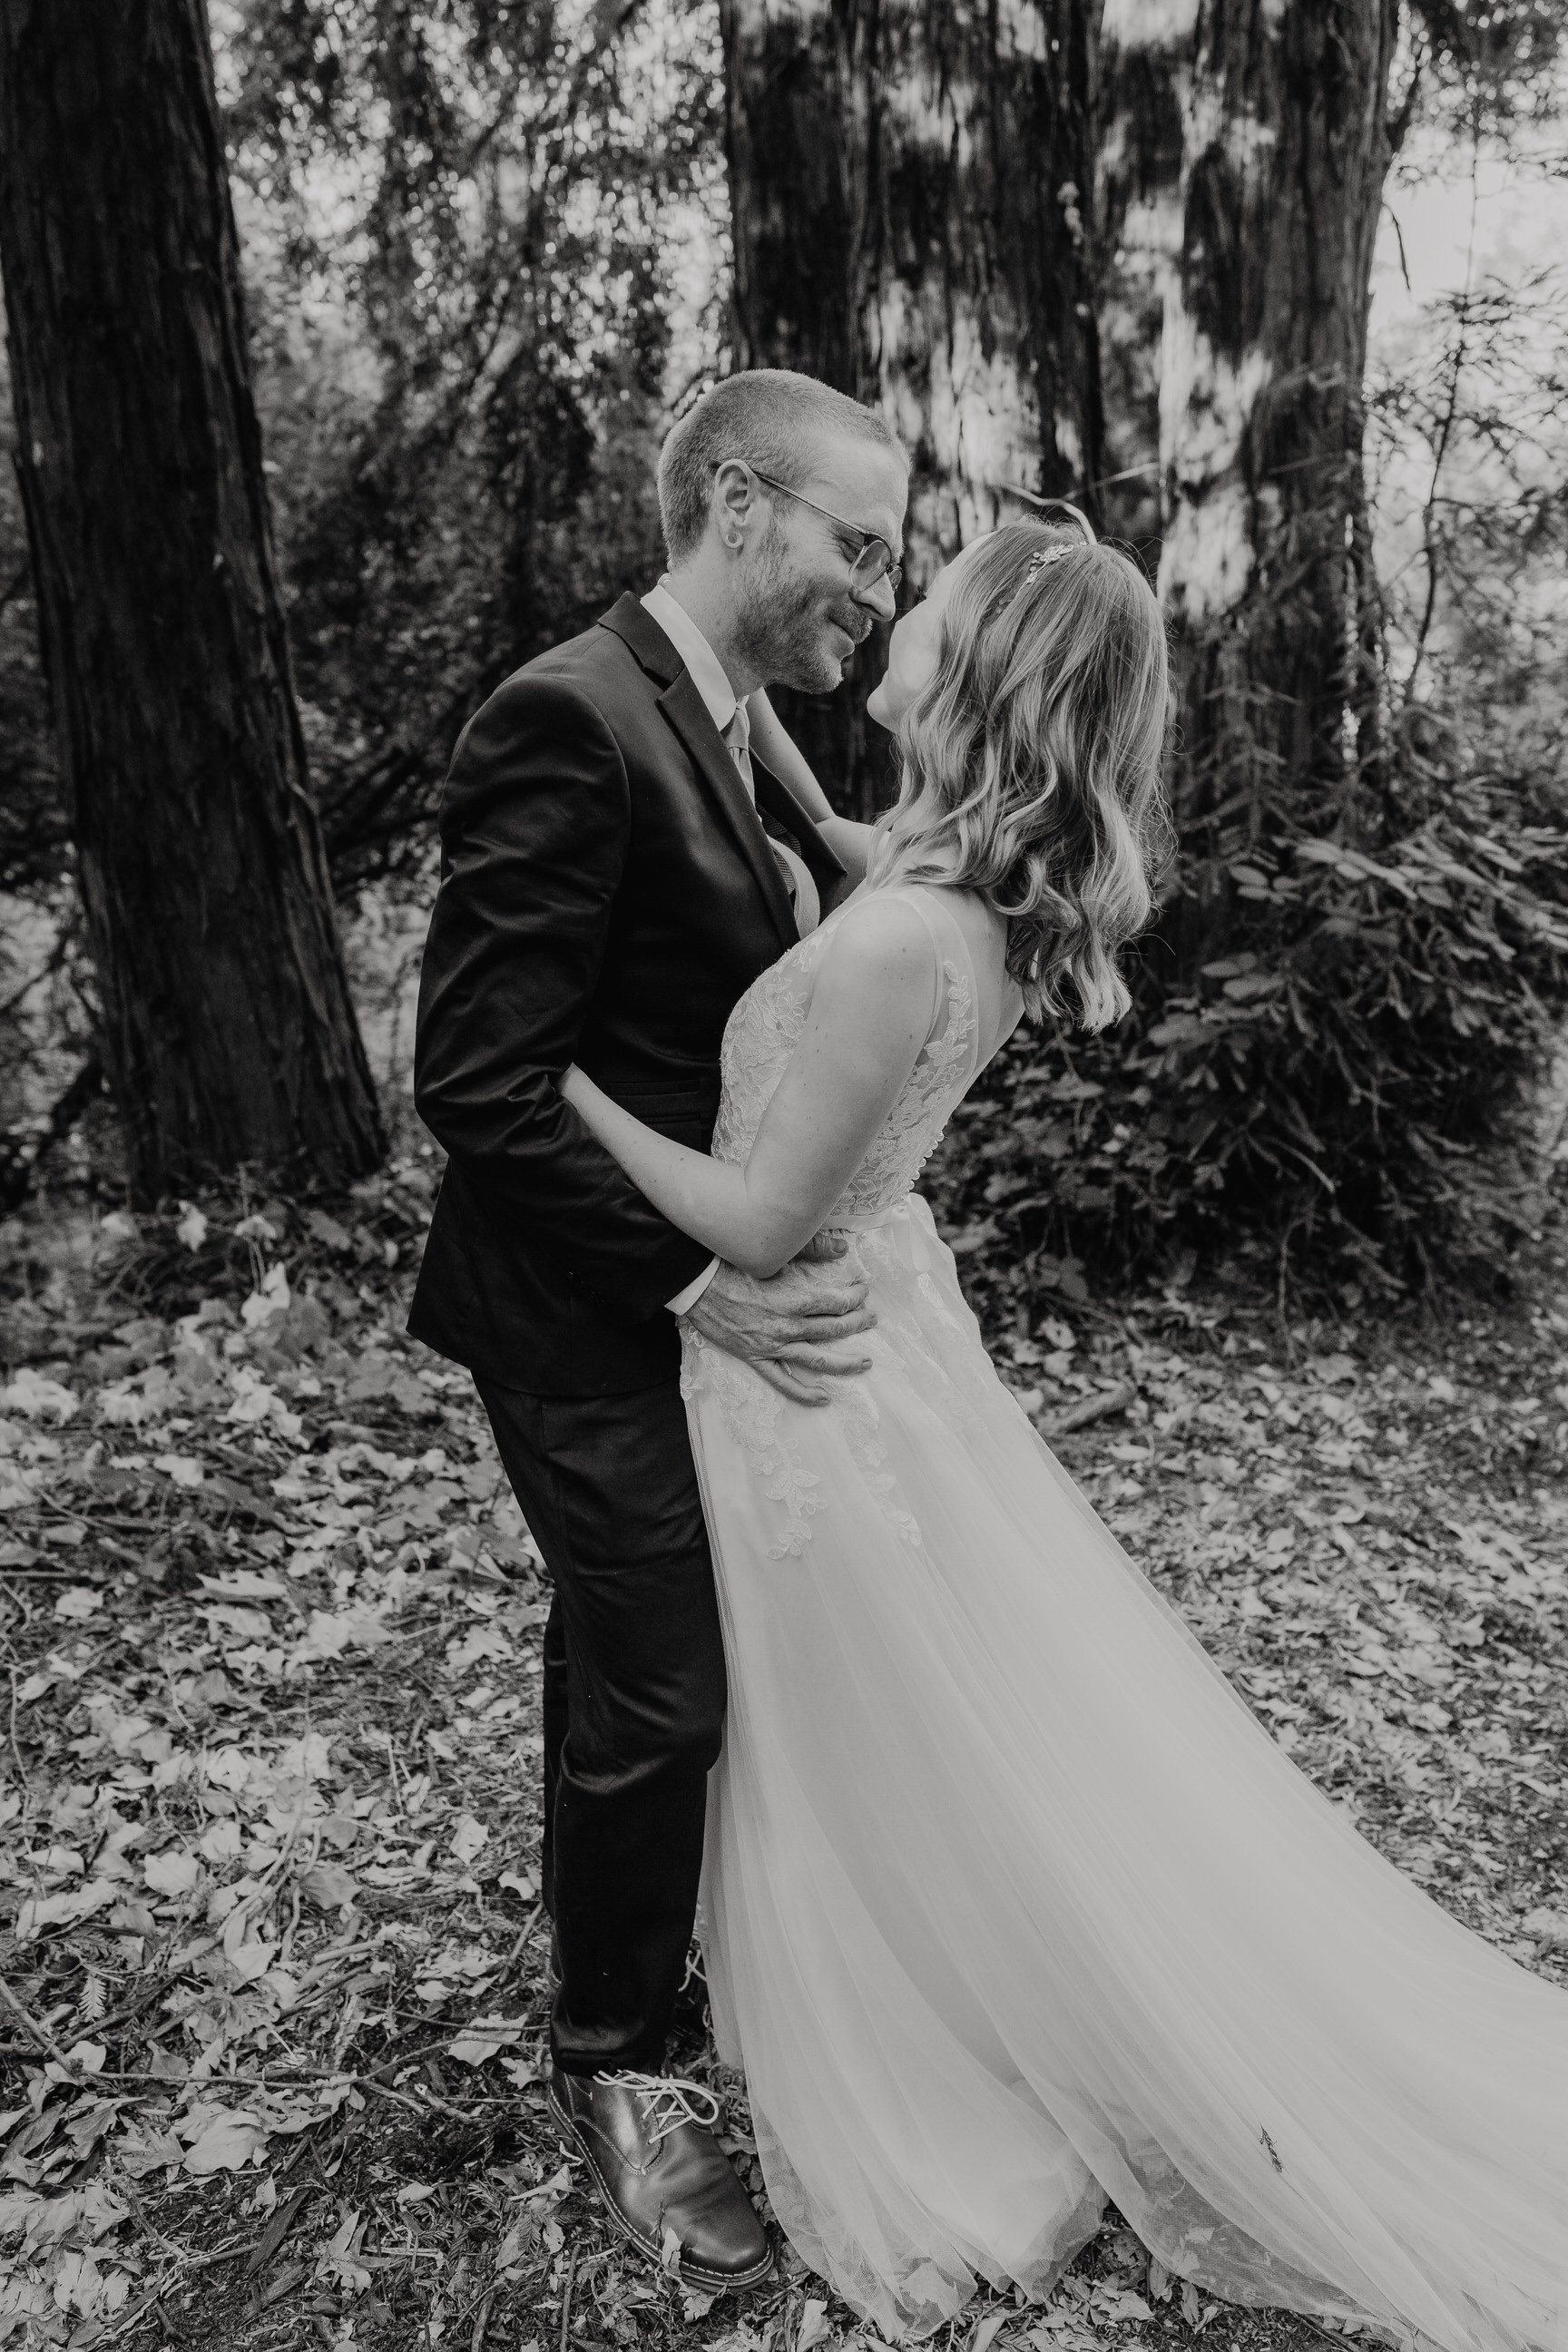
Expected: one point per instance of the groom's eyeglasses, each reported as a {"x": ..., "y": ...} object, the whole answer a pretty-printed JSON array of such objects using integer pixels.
[{"x": 875, "y": 561}]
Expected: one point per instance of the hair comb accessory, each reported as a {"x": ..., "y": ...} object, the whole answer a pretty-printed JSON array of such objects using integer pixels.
[{"x": 1043, "y": 560}]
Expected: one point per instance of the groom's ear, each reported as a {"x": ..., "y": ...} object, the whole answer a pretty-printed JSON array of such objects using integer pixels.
[{"x": 733, "y": 505}]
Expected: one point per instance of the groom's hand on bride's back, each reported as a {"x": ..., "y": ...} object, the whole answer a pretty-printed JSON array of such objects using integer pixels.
[{"x": 793, "y": 1324}]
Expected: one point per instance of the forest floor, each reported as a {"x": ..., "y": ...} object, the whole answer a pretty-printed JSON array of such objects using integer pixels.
[{"x": 271, "y": 1953}]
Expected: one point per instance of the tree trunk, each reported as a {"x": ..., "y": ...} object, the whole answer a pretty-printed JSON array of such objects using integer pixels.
[
  {"x": 1242, "y": 177},
  {"x": 1138, "y": 224},
  {"x": 229, "y": 1036},
  {"x": 909, "y": 186}
]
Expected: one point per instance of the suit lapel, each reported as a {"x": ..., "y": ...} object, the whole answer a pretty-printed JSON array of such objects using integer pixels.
[
  {"x": 687, "y": 712},
  {"x": 628, "y": 619}
]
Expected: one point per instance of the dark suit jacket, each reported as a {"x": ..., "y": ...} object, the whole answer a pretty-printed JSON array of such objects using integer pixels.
[{"x": 607, "y": 893}]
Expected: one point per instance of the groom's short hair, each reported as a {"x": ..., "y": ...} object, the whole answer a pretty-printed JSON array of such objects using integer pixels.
[{"x": 772, "y": 417}]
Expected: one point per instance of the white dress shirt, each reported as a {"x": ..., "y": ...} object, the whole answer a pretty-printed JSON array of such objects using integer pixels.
[
  {"x": 730, "y": 717},
  {"x": 709, "y": 678}
]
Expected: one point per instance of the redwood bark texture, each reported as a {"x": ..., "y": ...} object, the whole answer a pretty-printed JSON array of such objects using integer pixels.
[
  {"x": 910, "y": 185},
  {"x": 229, "y": 1036},
  {"x": 1241, "y": 175}
]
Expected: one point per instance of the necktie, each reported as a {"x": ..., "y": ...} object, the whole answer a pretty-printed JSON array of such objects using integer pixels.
[
  {"x": 796, "y": 872},
  {"x": 737, "y": 736}
]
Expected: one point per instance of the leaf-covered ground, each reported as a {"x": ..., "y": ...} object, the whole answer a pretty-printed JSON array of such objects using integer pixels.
[{"x": 270, "y": 1945}]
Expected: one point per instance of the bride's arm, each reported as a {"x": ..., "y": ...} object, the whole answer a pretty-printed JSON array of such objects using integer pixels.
[
  {"x": 870, "y": 1014},
  {"x": 777, "y": 749}
]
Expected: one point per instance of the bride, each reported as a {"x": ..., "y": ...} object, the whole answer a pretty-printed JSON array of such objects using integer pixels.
[{"x": 1011, "y": 1906}]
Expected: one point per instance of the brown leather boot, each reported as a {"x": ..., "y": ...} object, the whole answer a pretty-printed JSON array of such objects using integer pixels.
[{"x": 648, "y": 2141}]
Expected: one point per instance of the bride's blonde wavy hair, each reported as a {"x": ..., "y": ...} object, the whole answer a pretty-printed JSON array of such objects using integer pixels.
[{"x": 1031, "y": 763}]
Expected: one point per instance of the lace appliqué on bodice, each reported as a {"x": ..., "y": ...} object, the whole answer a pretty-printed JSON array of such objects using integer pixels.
[{"x": 762, "y": 1033}]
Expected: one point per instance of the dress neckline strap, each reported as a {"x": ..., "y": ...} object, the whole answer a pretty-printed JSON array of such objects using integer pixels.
[{"x": 926, "y": 900}]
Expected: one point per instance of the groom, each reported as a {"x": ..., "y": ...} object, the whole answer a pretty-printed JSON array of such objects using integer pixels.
[{"x": 616, "y": 871}]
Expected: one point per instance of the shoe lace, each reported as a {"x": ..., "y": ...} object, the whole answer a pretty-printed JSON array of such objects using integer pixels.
[
  {"x": 696, "y": 1969},
  {"x": 668, "y": 2101}
]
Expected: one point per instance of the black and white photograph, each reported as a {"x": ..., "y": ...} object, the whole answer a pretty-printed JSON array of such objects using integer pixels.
[{"x": 784, "y": 1175}]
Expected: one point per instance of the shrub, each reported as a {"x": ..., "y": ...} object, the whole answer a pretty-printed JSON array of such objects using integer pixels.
[{"x": 1347, "y": 1087}]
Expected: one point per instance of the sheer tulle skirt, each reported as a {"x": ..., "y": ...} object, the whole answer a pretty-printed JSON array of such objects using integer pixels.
[{"x": 1010, "y": 1904}]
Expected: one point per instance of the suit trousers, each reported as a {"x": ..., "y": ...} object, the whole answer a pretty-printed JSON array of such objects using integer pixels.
[{"x": 634, "y": 1702}]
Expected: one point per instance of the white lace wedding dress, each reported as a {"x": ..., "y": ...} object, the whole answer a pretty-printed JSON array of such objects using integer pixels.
[{"x": 1010, "y": 1904}]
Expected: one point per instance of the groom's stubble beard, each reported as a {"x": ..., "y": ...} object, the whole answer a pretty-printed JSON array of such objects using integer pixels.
[{"x": 778, "y": 625}]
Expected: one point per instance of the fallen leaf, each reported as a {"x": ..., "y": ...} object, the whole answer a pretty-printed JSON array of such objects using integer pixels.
[
  {"x": 469, "y": 1836},
  {"x": 332, "y": 1631},
  {"x": 270, "y": 1299},
  {"x": 484, "y": 2037},
  {"x": 183, "y": 1468},
  {"x": 38, "y": 1399},
  {"x": 814, "y": 2326},
  {"x": 338, "y": 2260},
  {"x": 192, "y": 1227},
  {"x": 986, "y": 2328},
  {"x": 78, "y": 1903},
  {"x": 245, "y": 1624},
  {"x": 228, "y": 2143},
  {"x": 1118, "y": 2303},
  {"x": 172, "y": 1873},
  {"x": 78, "y": 1601},
  {"x": 307, "y": 1759},
  {"x": 220, "y": 1842},
  {"x": 328, "y": 1885}
]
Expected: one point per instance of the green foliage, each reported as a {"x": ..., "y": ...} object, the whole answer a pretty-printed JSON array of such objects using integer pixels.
[
  {"x": 1491, "y": 61},
  {"x": 463, "y": 222},
  {"x": 485, "y": 254},
  {"x": 1346, "y": 1086},
  {"x": 1355, "y": 987}
]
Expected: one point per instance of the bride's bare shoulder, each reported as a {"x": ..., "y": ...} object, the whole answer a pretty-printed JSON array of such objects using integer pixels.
[
  {"x": 880, "y": 961},
  {"x": 984, "y": 929},
  {"x": 879, "y": 927}
]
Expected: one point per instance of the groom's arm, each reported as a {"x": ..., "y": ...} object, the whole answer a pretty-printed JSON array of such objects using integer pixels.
[{"x": 535, "y": 822}]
